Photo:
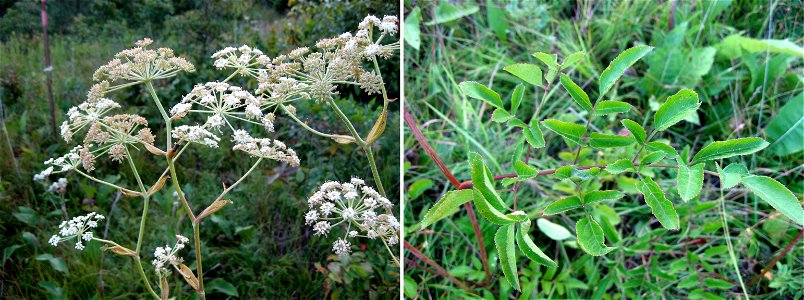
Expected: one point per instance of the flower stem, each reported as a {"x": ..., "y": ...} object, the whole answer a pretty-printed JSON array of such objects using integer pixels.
[
  {"x": 362, "y": 144},
  {"x": 162, "y": 111},
  {"x": 141, "y": 233}
]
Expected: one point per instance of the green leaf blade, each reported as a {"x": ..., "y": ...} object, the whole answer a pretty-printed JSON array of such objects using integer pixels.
[
  {"x": 529, "y": 73},
  {"x": 530, "y": 249},
  {"x": 590, "y": 237},
  {"x": 504, "y": 241},
  {"x": 676, "y": 108},
  {"x": 661, "y": 207},
  {"x": 445, "y": 207},
  {"x": 617, "y": 67},
  {"x": 600, "y": 196},
  {"x": 481, "y": 92},
  {"x": 729, "y": 148},
  {"x": 570, "y": 131},
  {"x": 576, "y": 92},
  {"x": 599, "y": 140},
  {"x": 689, "y": 180},
  {"x": 611, "y": 107},
  {"x": 636, "y": 130},
  {"x": 563, "y": 205},
  {"x": 777, "y": 195}
]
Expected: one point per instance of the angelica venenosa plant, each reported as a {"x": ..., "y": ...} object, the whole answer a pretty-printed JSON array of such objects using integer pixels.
[
  {"x": 353, "y": 206},
  {"x": 78, "y": 228}
]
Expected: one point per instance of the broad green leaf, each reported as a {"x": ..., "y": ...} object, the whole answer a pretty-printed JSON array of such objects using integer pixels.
[
  {"x": 446, "y": 12},
  {"x": 662, "y": 208},
  {"x": 620, "y": 166},
  {"x": 599, "y": 140},
  {"x": 553, "y": 230},
  {"x": 497, "y": 20},
  {"x": 533, "y": 134},
  {"x": 516, "y": 98},
  {"x": 410, "y": 286},
  {"x": 777, "y": 195},
  {"x": 530, "y": 249},
  {"x": 488, "y": 211},
  {"x": 734, "y": 45},
  {"x": 617, "y": 67},
  {"x": 484, "y": 181},
  {"x": 529, "y": 73},
  {"x": 576, "y": 92},
  {"x": 598, "y": 196},
  {"x": 676, "y": 108},
  {"x": 652, "y": 158},
  {"x": 524, "y": 170},
  {"x": 590, "y": 237},
  {"x": 565, "y": 172},
  {"x": 659, "y": 146},
  {"x": 636, "y": 130},
  {"x": 729, "y": 148},
  {"x": 786, "y": 130},
  {"x": 563, "y": 205},
  {"x": 570, "y": 131},
  {"x": 611, "y": 107},
  {"x": 481, "y": 92},
  {"x": 731, "y": 175},
  {"x": 718, "y": 284},
  {"x": 501, "y": 116},
  {"x": 572, "y": 59},
  {"x": 412, "y": 31},
  {"x": 516, "y": 122},
  {"x": 58, "y": 264},
  {"x": 417, "y": 188},
  {"x": 504, "y": 240},
  {"x": 547, "y": 59},
  {"x": 223, "y": 286},
  {"x": 689, "y": 180},
  {"x": 447, "y": 206}
]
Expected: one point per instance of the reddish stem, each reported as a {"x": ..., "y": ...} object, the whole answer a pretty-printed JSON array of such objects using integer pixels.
[
  {"x": 438, "y": 269},
  {"x": 776, "y": 259}
]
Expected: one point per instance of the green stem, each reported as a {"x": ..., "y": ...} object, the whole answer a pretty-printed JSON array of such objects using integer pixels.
[
  {"x": 362, "y": 144},
  {"x": 175, "y": 179},
  {"x": 162, "y": 111},
  {"x": 231, "y": 187},
  {"x": 141, "y": 234},
  {"x": 310, "y": 129},
  {"x": 200, "y": 271},
  {"x": 722, "y": 202},
  {"x": 138, "y": 263}
]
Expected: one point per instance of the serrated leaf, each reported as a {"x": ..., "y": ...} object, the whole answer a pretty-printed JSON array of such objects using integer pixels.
[
  {"x": 481, "y": 92},
  {"x": 572, "y": 59},
  {"x": 611, "y": 107},
  {"x": 662, "y": 208},
  {"x": 530, "y": 249},
  {"x": 553, "y": 230},
  {"x": 504, "y": 241},
  {"x": 570, "y": 131},
  {"x": 620, "y": 166},
  {"x": 525, "y": 170},
  {"x": 599, "y": 196},
  {"x": 446, "y": 12},
  {"x": 489, "y": 212},
  {"x": 729, "y": 148},
  {"x": 501, "y": 116},
  {"x": 777, "y": 195},
  {"x": 786, "y": 130},
  {"x": 659, "y": 146},
  {"x": 547, "y": 59},
  {"x": 652, "y": 158},
  {"x": 731, "y": 175},
  {"x": 563, "y": 205},
  {"x": 529, "y": 73},
  {"x": 599, "y": 140},
  {"x": 484, "y": 181},
  {"x": 445, "y": 207},
  {"x": 676, "y": 108},
  {"x": 418, "y": 187},
  {"x": 576, "y": 92},
  {"x": 412, "y": 31},
  {"x": 590, "y": 237},
  {"x": 516, "y": 98},
  {"x": 636, "y": 130},
  {"x": 617, "y": 67},
  {"x": 533, "y": 134},
  {"x": 689, "y": 180}
]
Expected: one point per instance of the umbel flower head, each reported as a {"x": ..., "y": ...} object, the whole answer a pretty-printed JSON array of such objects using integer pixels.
[
  {"x": 68, "y": 162},
  {"x": 79, "y": 228},
  {"x": 264, "y": 148},
  {"x": 352, "y": 205},
  {"x": 164, "y": 257},
  {"x": 223, "y": 105},
  {"x": 141, "y": 64}
]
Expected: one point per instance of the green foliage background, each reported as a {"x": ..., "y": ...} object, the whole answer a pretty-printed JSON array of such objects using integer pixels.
[
  {"x": 742, "y": 94},
  {"x": 257, "y": 248}
]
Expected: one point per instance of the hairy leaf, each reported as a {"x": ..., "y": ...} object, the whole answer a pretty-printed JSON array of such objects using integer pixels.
[
  {"x": 599, "y": 196},
  {"x": 576, "y": 92},
  {"x": 481, "y": 92},
  {"x": 547, "y": 59},
  {"x": 611, "y": 107},
  {"x": 590, "y": 237},
  {"x": 524, "y": 170},
  {"x": 530, "y": 249},
  {"x": 689, "y": 180},
  {"x": 676, "y": 108},
  {"x": 570, "y": 131},
  {"x": 620, "y": 166},
  {"x": 617, "y": 67},
  {"x": 777, "y": 195},
  {"x": 504, "y": 240},
  {"x": 489, "y": 212},
  {"x": 729, "y": 148},
  {"x": 529, "y": 73},
  {"x": 563, "y": 205},
  {"x": 484, "y": 182},
  {"x": 662, "y": 208},
  {"x": 447, "y": 206},
  {"x": 599, "y": 140},
  {"x": 636, "y": 130}
]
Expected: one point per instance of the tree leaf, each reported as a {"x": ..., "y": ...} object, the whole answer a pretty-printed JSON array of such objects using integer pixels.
[
  {"x": 411, "y": 30},
  {"x": 590, "y": 237},
  {"x": 501, "y": 116},
  {"x": 599, "y": 196},
  {"x": 611, "y": 107},
  {"x": 445, "y": 207},
  {"x": 525, "y": 170},
  {"x": 489, "y": 212},
  {"x": 786, "y": 130},
  {"x": 661, "y": 207},
  {"x": 732, "y": 174},
  {"x": 599, "y": 140},
  {"x": 516, "y": 98},
  {"x": 659, "y": 146},
  {"x": 777, "y": 195},
  {"x": 553, "y": 230},
  {"x": 689, "y": 180},
  {"x": 481, "y": 92},
  {"x": 729, "y": 148},
  {"x": 576, "y": 92},
  {"x": 620, "y": 166},
  {"x": 446, "y": 12},
  {"x": 617, "y": 67},
  {"x": 636, "y": 130},
  {"x": 563, "y": 205},
  {"x": 504, "y": 240},
  {"x": 676, "y": 108},
  {"x": 547, "y": 59},
  {"x": 529, "y": 73},
  {"x": 572, "y": 59},
  {"x": 533, "y": 134},
  {"x": 652, "y": 158},
  {"x": 483, "y": 181},
  {"x": 570, "y": 131},
  {"x": 530, "y": 249}
]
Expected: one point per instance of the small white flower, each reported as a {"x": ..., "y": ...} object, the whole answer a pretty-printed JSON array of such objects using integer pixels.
[
  {"x": 341, "y": 247},
  {"x": 78, "y": 228},
  {"x": 322, "y": 228},
  {"x": 310, "y": 217}
]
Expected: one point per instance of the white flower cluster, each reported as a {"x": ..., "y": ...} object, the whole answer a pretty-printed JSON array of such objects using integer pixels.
[
  {"x": 223, "y": 103},
  {"x": 388, "y": 25},
  {"x": 352, "y": 205},
  {"x": 140, "y": 64},
  {"x": 264, "y": 147},
  {"x": 77, "y": 227},
  {"x": 59, "y": 186},
  {"x": 166, "y": 256},
  {"x": 85, "y": 113},
  {"x": 196, "y": 134},
  {"x": 244, "y": 59},
  {"x": 69, "y": 161}
]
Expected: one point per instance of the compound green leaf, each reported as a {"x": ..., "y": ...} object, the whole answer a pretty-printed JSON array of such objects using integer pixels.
[
  {"x": 662, "y": 208},
  {"x": 533, "y": 134},
  {"x": 572, "y": 59},
  {"x": 636, "y": 130},
  {"x": 412, "y": 31},
  {"x": 447, "y": 206},
  {"x": 484, "y": 181},
  {"x": 599, "y": 140},
  {"x": 481, "y": 92},
  {"x": 489, "y": 212},
  {"x": 504, "y": 240},
  {"x": 590, "y": 237},
  {"x": 611, "y": 107},
  {"x": 729, "y": 148},
  {"x": 530, "y": 249},
  {"x": 676, "y": 108},
  {"x": 576, "y": 92},
  {"x": 529, "y": 73},
  {"x": 777, "y": 195},
  {"x": 547, "y": 59},
  {"x": 689, "y": 180},
  {"x": 599, "y": 196},
  {"x": 620, "y": 166},
  {"x": 731, "y": 175},
  {"x": 570, "y": 131},
  {"x": 617, "y": 67},
  {"x": 563, "y": 205}
]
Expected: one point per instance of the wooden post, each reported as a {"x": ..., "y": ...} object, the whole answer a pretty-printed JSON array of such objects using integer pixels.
[{"x": 48, "y": 69}]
